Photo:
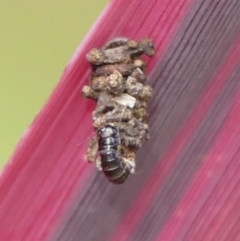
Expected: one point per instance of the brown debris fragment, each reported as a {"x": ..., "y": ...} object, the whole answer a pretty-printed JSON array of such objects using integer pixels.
[
  {"x": 92, "y": 151},
  {"x": 116, "y": 83},
  {"x": 139, "y": 75},
  {"x": 99, "y": 83},
  {"x": 88, "y": 92},
  {"x": 120, "y": 52},
  {"x": 105, "y": 70}
]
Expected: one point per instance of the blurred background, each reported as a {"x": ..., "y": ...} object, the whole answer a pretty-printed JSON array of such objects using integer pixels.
[{"x": 36, "y": 42}]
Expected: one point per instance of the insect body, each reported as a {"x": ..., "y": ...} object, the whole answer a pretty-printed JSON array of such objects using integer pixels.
[
  {"x": 115, "y": 168},
  {"x": 118, "y": 85}
]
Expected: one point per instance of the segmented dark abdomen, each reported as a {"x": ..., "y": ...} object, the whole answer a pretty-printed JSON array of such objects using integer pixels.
[{"x": 114, "y": 168}]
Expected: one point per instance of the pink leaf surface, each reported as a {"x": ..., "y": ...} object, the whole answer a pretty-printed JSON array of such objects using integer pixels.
[{"x": 187, "y": 181}]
